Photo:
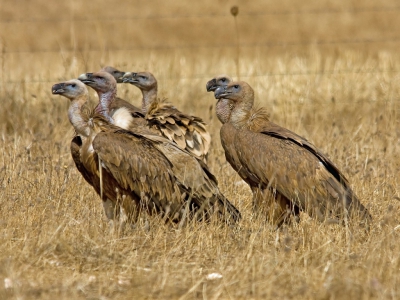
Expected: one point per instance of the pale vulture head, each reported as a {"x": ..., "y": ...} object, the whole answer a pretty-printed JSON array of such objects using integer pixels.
[
  {"x": 71, "y": 89},
  {"x": 143, "y": 80},
  {"x": 218, "y": 83},
  {"x": 117, "y": 74},
  {"x": 101, "y": 82}
]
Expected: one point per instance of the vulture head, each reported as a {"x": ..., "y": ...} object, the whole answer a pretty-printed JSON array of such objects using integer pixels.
[
  {"x": 234, "y": 101},
  {"x": 117, "y": 74},
  {"x": 237, "y": 91},
  {"x": 143, "y": 80},
  {"x": 101, "y": 82},
  {"x": 71, "y": 89},
  {"x": 221, "y": 80}
]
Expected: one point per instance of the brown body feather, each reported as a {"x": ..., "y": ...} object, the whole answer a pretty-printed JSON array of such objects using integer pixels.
[
  {"x": 274, "y": 160},
  {"x": 188, "y": 132},
  {"x": 152, "y": 174}
]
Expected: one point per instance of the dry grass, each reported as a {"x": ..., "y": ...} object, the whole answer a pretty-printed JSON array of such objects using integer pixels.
[{"x": 54, "y": 240}]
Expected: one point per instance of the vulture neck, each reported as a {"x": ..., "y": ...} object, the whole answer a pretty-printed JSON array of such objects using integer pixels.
[
  {"x": 241, "y": 114},
  {"x": 75, "y": 116},
  {"x": 149, "y": 96},
  {"x": 105, "y": 101}
]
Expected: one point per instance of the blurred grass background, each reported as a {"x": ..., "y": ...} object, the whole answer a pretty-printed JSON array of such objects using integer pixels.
[{"x": 328, "y": 70}]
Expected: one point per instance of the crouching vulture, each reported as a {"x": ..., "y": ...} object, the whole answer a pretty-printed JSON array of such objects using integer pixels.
[
  {"x": 140, "y": 171},
  {"x": 271, "y": 158},
  {"x": 188, "y": 132}
]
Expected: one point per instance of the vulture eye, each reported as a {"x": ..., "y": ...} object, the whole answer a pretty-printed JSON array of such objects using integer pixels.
[
  {"x": 223, "y": 79},
  {"x": 73, "y": 85},
  {"x": 236, "y": 86},
  {"x": 143, "y": 77}
]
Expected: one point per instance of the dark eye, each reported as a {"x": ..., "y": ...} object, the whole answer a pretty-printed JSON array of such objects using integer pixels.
[
  {"x": 115, "y": 72},
  {"x": 143, "y": 77},
  {"x": 73, "y": 85},
  {"x": 223, "y": 79},
  {"x": 236, "y": 86}
]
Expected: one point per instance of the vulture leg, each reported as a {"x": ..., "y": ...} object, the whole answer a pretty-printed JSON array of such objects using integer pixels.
[{"x": 274, "y": 206}]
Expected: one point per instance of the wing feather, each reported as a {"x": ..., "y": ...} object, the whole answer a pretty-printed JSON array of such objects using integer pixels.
[
  {"x": 281, "y": 159},
  {"x": 76, "y": 146},
  {"x": 188, "y": 132},
  {"x": 134, "y": 163}
]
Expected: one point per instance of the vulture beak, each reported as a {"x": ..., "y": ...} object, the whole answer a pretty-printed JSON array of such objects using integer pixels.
[
  {"x": 58, "y": 89},
  {"x": 129, "y": 77},
  {"x": 211, "y": 85},
  {"x": 220, "y": 92},
  {"x": 86, "y": 78},
  {"x": 119, "y": 77}
]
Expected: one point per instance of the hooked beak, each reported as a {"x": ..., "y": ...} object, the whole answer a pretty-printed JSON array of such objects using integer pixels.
[
  {"x": 86, "y": 78},
  {"x": 118, "y": 75},
  {"x": 220, "y": 92},
  {"x": 211, "y": 85},
  {"x": 58, "y": 89},
  {"x": 130, "y": 77}
]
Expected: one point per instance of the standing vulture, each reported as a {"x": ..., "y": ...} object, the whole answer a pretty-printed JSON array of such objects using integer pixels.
[
  {"x": 279, "y": 207},
  {"x": 141, "y": 170},
  {"x": 268, "y": 156},
  {"x": 188, "y": 132},
  {"x": 77, "y": 93}
]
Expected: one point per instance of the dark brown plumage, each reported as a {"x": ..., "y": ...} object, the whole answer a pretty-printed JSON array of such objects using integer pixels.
[
  {"x": 188, "y": 132},
  {"x": 143, "y": 171},
  {"x": 271, "y": 158}
]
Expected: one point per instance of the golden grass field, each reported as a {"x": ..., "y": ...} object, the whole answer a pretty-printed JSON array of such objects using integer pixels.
[{"x": 328, "y": 70}]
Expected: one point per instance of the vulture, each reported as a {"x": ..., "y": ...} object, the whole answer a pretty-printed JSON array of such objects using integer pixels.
[
  {"x": 79, "y": 116},
  {"x": 275, "y": 161},
  {"x": 279, "y": 208},
  {"x": 138, "y": 170},
  {"x": 188, "y": 132}
]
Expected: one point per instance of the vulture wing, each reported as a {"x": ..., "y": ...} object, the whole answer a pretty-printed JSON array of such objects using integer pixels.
[
  {"x": 188, "y": 132},
  {"x": 275, "y": 204},
  {"x": 137, "y": 167},
  {"x": 194, "y": 177},
  {"x": 287, "y": 162},
  {"x": 279, "y": 132},
  {"x": 162, "y": 175},
  {"x": 76, "y": 146}
]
